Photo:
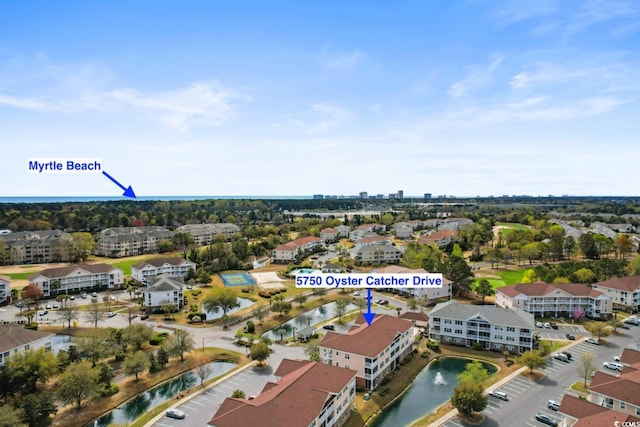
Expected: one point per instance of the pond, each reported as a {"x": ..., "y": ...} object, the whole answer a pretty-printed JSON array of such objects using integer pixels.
[
  {"x": 244, "y": 303},
  {"x": 310, "y": 318},
  {"x": 431, "y": 388},
  {"x": 144, "y": 402}
]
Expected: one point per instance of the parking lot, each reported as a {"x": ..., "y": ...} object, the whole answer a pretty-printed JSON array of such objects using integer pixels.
[{"x": 527, "y": 397}]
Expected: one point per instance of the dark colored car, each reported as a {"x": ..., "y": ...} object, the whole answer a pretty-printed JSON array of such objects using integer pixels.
[
  {"x": 144, "y": 317},
  {"x": 571, "y": 337},
  {"x": 546, "y": 419},
  {"x": 553, "y": 325},
  {"x": 329, "y": 327}
]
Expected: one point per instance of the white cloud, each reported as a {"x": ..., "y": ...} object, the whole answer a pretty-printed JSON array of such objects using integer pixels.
[
  {"x": 477, "y": 77},
  {"x": 83, "y": 88},
  {"x": 336, "y": 60},
  {"x": 332, "y": 116},
  {"x": 512, "y": 11},
  {"x": 597, "y": 11}
]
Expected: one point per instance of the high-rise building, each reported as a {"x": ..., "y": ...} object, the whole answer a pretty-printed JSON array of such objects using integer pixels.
[
  {"x": 427, "y": 196},
  {"x": 400, "y": 194},
  {"x": 364, "y": 195}
]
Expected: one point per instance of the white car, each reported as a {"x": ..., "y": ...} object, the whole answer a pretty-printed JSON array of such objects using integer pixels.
[
  {"x": 547, "y": 325},
  {"x": 175, "y": 413},
  {"x": 592, "y": 341},
  {"x": 111, "y": 314},
  {"x": 613, "y": 366},
  {"x": 356, "y": 294},
  {"x": 539, "y": 325},
  {"x": 499, "y": 395}
]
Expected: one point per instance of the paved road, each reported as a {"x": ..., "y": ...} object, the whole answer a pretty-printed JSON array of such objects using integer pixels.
[{"x": 528, "y": 397}]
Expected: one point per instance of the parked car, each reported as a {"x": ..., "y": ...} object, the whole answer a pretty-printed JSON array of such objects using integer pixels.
[
  {"x": 566, "y": 353},
  {"x": 631, "y": 321},
  {"x": 56, "y": 306},
  {"x": 553, "y": 405},
  {"x": 94, "y": 294},
  {"x": 592, "y": 341},
  {"x": 356, "y": 294},
  {"x": 547, "y": 325},
  {"x": 384, "y": 302},
  {"x": 562, "y": 357},
  {"x": 111, "y": 314},
  {"x": 329, "y": 327},
  {"x": 571, "y": 337},
  {"x": 48, "y": 307},
  {"x": 539, "y": 325},
  {"x": 175, "y": 413},
  {"x": 72, "y": 297},
  {"x": 613, "y": 366},
  {"x": 19, "y": 304},
  {"x": 44, "y": 313},
  {"x": 553, "y": 325},
  {"x": 499, "y": 395},
  {"x": 546, "y": 419},
  {"x": 144, "y": 317},
  {"x": 617, "y": 358}
]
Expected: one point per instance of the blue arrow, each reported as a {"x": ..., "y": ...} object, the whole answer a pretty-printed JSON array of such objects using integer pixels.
[
  {"x": 128, "y": 192},
  {"x": 368, "y": 316}
]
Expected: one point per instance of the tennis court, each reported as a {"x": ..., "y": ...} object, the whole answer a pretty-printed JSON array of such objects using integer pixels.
[{"x": 237, "y": 279}]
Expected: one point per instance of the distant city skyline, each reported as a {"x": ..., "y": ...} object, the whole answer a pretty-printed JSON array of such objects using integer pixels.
[{"x": 466, "y": 98}]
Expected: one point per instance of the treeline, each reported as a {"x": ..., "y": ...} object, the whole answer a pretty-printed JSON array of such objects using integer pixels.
[{"x": 95, "y": 216}]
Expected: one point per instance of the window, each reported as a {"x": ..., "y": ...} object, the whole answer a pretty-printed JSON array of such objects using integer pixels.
[
  {"x": 511, "y": 329},
  {"x": 346, "y": 366},
  {"x": 337, "y": 364},
  {"x": 458, "y": 322},
  {"x": 347, "y": 356},
  {"x": 623, "y": 405}
]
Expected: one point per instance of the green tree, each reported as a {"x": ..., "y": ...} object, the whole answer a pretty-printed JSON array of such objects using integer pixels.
[
  {"x": 136, "y": 335},
  {"x": 83, "y": 245},
  {"x": 300, "y": 299},
  {"x": 484, "y": 289},
  {"x": 633, "y": 268},
  {"x": 238, "y": 394},
  {"x": 588, "y": 246},
  {"x": 10, "y": 416},
  {"x": 469, "y": 397},
  {"x": 458, "y": 271},
  {"x": 203, "y": 277},
  {"x": 412, "y": 303},
  {"x": 312, "y": 351},
  {"x": 38, "y": 409},
  {"x": 135, "y": 363},
  {"x": 221, "y": 299},
  {"x": 585, "y": 367},
  {"x": 584, "y": 275},
  {"x": 94, "y": 345},
  {"x": 475, "y": 372},
  {"x": 181, "y": 343},
  {"x": 260, "y": 352},
  {"x": 532, "y": 359},
  {"x": 260, "y": 312},
  {"x": 282, "y": 307},
  {"x": 78, "y": 383},
  {"x": 597, "y": 330},
  {"x": 341, "y": 308},
  {"x": 30, "y": 366}
]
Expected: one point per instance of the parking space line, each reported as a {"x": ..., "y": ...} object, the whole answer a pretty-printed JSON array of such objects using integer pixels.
[{"x": 184, "y": 406}]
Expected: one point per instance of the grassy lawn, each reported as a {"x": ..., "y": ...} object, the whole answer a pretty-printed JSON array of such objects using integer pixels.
[
  {"x": 513, "y": 226},
  {"x": 507, "y": 277},
  {"x": 22, "y": 276}
]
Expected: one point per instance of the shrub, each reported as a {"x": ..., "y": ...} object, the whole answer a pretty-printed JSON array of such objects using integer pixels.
[
  {"x": 109, "y": 390},
  {"x": 477, "y": 346},
  {"x": 251, "y": 327}
]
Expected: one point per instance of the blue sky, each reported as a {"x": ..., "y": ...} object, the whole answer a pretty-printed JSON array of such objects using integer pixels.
[{"x": 478, "y": 97}]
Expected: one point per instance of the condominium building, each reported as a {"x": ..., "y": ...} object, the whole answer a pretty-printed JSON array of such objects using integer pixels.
[
  {"x": 145, "y": 271},
  {"x": 5, "y": 289},
  {"x": 305, "y": 394},
  {"x": 128, "y": 241},
  {"x": 494, "y": 328},
  {"x": 378, "y": 254},
  {"x": 76, "y": 278},
  {"x": 203, "y": 234},
  {"x": 623, "y": 291},
  {"x": 556, "y": 300},
  {"x": 372, "y": 350},
  {"x": 620, "y": 393},
  {"x": 15, "y": 338},
  {"x": 37, "y": 247},
  {"x": 164, "y": 290},
  {"x": 289, "y": 251}
]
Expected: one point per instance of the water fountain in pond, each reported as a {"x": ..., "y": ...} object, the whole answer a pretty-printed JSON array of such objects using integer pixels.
[{"x": 439, "y": 379}]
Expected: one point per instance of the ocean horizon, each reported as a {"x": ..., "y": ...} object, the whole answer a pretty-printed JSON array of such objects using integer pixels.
[{"x": 81, "y": 199}]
